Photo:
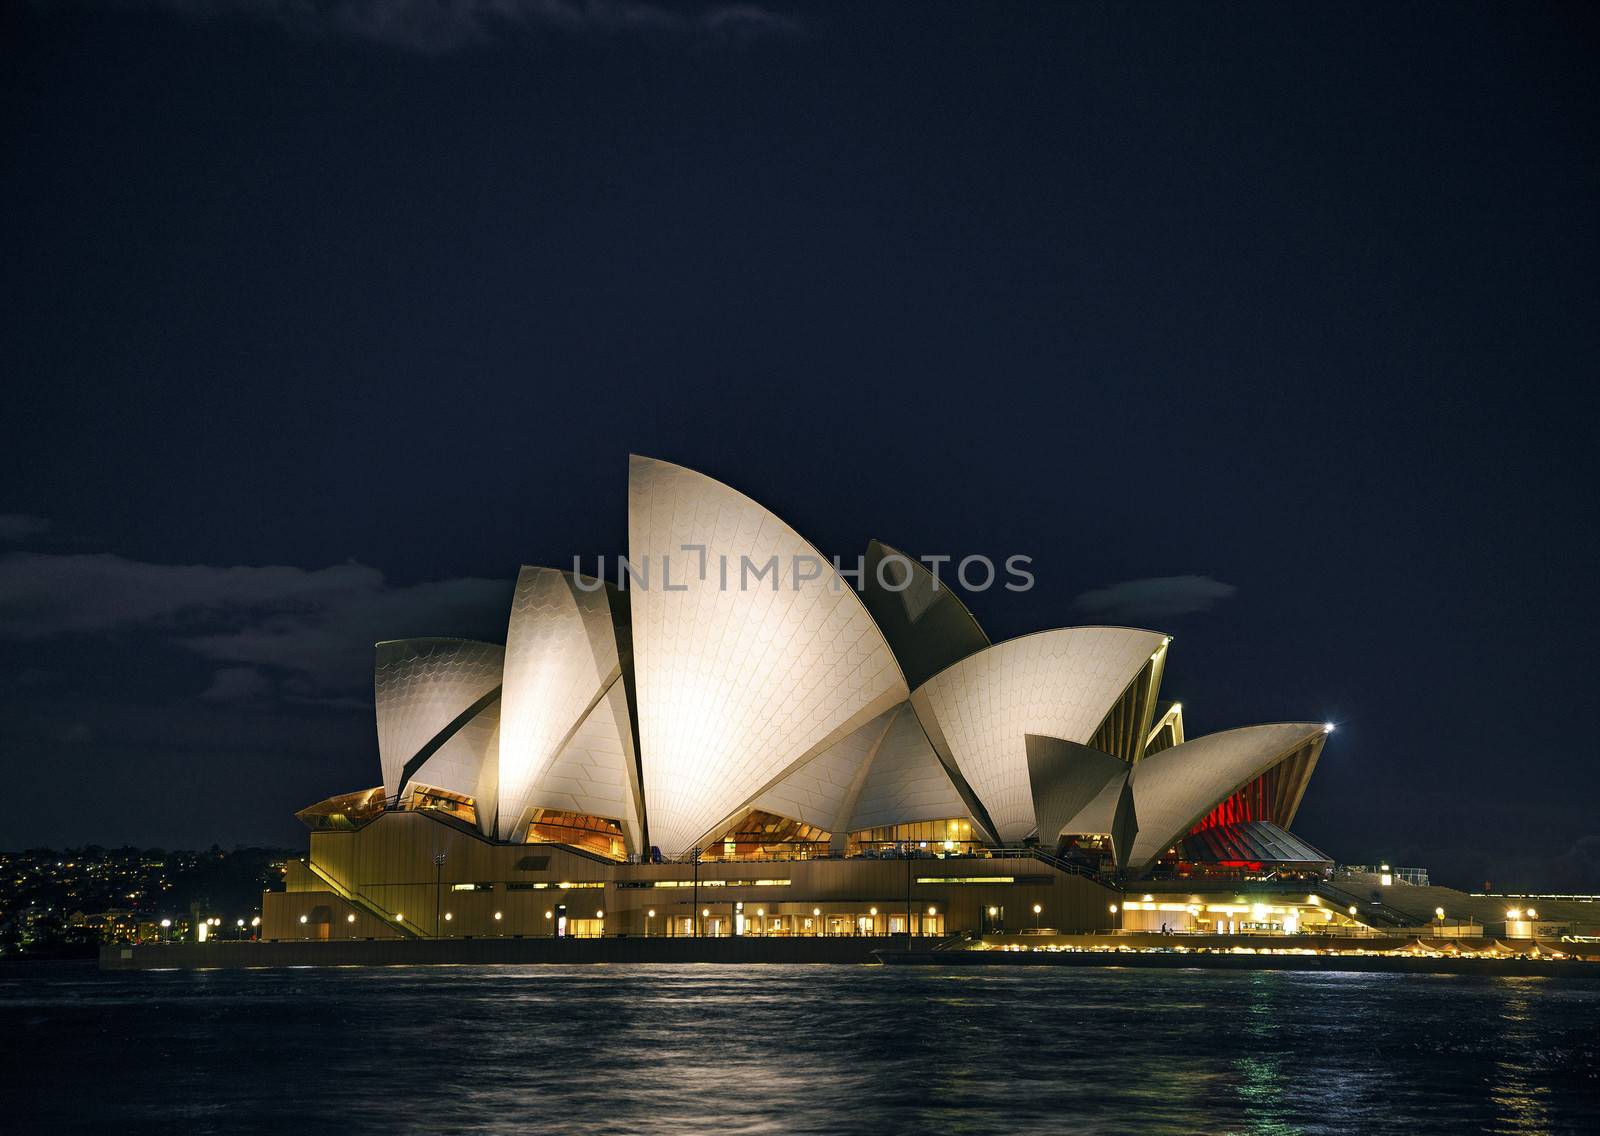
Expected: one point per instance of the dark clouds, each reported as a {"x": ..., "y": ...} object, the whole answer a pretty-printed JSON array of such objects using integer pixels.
[
  {"x": 237, "y": 684},
  {"x": 315, "y": 627},
  {"x": 209, "y": 700},
  {"x": 17, "y": 528},
  {"x": 1159, "y": 597},
  {"x": 441, "y": 26}
]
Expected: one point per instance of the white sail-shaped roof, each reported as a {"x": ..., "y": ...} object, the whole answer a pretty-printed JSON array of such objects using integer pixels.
[
  {"x": 923, "y": 619},
  {"x": 596, "y": 773},
  {"x": 1080, "y": 790},
  {"x": 1075, "y": 787},
  {"x": 421, "y": 689},
  {"x": 1060, "y": 684},
  {"x": 906, "y": 781},
  {"x": 740, "y": 678},
  {"x": 469, "y": 764},
  {"x": 1175, "y": 788},
  {"x": 560, "y": 658},
  {"x": 821, "y": 791}
]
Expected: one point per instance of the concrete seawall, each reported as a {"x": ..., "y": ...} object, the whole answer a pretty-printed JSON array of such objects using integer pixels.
[
  {"x": 1369, "y": 964},
  {"x": 745, "y": 951},
  {"x": 479, "y": 952}
]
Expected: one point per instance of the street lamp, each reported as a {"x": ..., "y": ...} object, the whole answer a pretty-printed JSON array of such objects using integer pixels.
[
  {"x": 255, "y": 928},
  {"x": 1036, "y": 910},
  {"x": 648, "y": 915},
  {"x": 816, "y": 915},
  {"x": 600, "y": 917},
  {"x": 166, "y": 926},
  {"x": 438, "y": 877},
  {"x": 303, "y": 921},
  {"x": 351, "y": 921},
  {"x": 761, "y": 914}
]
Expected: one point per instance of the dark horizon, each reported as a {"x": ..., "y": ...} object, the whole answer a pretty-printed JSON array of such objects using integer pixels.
[{"x": 1269, "y": 329}]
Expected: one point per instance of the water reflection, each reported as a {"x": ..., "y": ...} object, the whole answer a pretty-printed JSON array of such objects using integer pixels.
[
  {"x": 1260, "y": 1084},
  {"x": 795, "y": 1049},
  {"x": 1518, "y": 1092}
]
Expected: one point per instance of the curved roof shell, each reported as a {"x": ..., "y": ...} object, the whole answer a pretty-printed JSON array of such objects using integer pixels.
[
  {"x": 1174, "y": 790},
  {"x": 741, "y": 676},
  {"x": 469, "y": 764},
  {"x": 1060, "y": 684},
  {"x": 823, "y": 791},
  {"x": 560, "y": 659},
  {"x": 420, "y": 688},
  {"x": 1079, "y": 790},
  {"x": 925, "y": 622},
  {"x": 885, "y": 773},
  {"x": 597, "y": 773},
  {"x": 906, "y": 781}
]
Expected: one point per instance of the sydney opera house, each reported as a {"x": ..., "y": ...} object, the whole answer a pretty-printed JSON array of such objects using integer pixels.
[{"x": 801, "y": 754}]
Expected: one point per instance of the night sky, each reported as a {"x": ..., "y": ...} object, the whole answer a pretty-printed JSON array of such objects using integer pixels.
[{"x": 321, "y": 317}]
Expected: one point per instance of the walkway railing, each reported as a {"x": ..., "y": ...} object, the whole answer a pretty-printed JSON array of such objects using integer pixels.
[{"x": 901, "y": 850}]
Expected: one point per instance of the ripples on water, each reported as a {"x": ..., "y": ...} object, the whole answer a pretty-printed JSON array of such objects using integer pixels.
[{"x": 794, "y": 1048}]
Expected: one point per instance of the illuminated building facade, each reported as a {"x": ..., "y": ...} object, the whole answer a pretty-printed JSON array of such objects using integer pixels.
[{"x": 732, "y": 738}]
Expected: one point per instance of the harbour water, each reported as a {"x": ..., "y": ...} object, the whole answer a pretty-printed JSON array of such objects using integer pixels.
[{"x": 755, "y": 1049}]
